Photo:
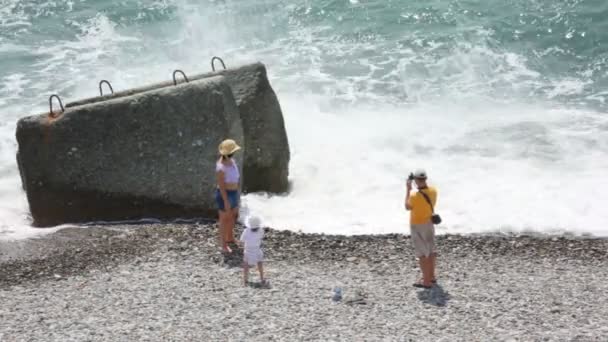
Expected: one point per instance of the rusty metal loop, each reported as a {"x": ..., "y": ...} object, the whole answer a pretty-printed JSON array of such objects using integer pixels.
[
  {"x": 51, "y": 114},
  {"x": 109, "y": 85},
  {"x": 213, "y": 63},
  {"x": 183, "y": 74}
]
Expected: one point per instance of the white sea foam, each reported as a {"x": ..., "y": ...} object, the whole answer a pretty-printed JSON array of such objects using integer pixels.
[{"x": 513, "y": 174}]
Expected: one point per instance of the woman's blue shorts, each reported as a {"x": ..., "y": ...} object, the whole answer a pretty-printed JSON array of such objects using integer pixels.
[{"x": 233, "y": 198}]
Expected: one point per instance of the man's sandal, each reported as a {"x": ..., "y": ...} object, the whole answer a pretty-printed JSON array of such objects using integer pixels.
[{"x": 420, "y": 285}]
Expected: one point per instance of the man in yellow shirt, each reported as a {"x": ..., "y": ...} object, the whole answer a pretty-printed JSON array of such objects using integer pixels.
[{"x": 422, "y": 228}]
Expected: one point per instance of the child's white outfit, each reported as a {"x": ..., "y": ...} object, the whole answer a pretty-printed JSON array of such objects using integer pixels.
[{"x": 252, "y": 240}]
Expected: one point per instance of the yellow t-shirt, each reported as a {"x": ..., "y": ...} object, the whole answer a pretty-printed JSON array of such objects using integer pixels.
[{"x": 421, "y": 210}]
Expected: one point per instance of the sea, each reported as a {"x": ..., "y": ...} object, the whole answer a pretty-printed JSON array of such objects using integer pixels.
[{"x": 502, "y": 102}]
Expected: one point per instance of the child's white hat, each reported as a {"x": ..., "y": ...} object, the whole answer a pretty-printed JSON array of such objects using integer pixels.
[{"x": 254, "y": 222}]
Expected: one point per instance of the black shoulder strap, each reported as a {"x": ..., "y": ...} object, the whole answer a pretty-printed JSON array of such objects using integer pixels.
[{"x": 426, "y": 197}]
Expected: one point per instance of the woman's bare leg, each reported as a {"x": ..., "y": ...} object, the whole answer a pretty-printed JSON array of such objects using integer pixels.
[
  {"x": 231, "y": 222},
  {"x": 223, "y": 225},
  {"x": 220, "y": 224}
]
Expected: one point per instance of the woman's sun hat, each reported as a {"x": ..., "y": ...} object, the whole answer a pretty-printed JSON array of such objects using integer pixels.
[{"x": 228, "y": 147}]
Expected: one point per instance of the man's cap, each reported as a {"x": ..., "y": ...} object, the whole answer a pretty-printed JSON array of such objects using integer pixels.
[{"x": 420, "y": 174}]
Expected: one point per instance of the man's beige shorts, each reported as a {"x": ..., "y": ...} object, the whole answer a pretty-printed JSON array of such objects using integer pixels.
[{"x": 423, "y": 239}]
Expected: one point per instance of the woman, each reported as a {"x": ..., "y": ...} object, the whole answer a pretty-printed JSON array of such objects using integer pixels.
[{"x": 227, "y": 192}]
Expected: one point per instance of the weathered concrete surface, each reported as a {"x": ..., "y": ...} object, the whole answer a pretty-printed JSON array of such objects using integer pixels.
[
  {"x": 266, "y": 161},
  {"x": 148, "y": 155},
  {"x": 266, "y": 164}
]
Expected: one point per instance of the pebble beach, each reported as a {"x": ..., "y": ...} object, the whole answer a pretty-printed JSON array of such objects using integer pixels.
[{"x": 168, "y": 282}]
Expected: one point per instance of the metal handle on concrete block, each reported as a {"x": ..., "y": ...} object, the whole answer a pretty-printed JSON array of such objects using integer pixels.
[
  {"x": 213, "y": 63},
  {"x": 183, "y": 74},
  {"x": 109, "y": 85},
  {"x": 51, "y": 114}
]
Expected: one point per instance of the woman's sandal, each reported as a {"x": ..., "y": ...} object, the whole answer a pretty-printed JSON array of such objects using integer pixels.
[{"x": 226, "y": 250}]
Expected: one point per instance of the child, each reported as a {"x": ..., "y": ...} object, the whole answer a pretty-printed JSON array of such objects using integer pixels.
[{"x": 251, "y": 238}]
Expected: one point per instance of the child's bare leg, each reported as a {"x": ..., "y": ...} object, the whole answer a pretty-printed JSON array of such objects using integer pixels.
[
  {"x": 245, "y": 273},
  {"x": 261, "y": 270}
]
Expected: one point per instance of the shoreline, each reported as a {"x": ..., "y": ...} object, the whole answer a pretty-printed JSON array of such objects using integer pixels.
[{"x": 71, "y": 251}]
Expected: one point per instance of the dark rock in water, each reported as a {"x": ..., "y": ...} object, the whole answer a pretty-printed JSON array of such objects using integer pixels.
[
  {"x": 266, "y": 162},
  {"x": 148, "y": 155}
]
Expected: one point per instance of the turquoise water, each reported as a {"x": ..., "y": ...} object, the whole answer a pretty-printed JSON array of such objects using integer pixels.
[{"x": 504, "y": 102}]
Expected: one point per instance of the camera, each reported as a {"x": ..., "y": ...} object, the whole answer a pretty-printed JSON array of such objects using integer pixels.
[{"x": 410, "y": 177}]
